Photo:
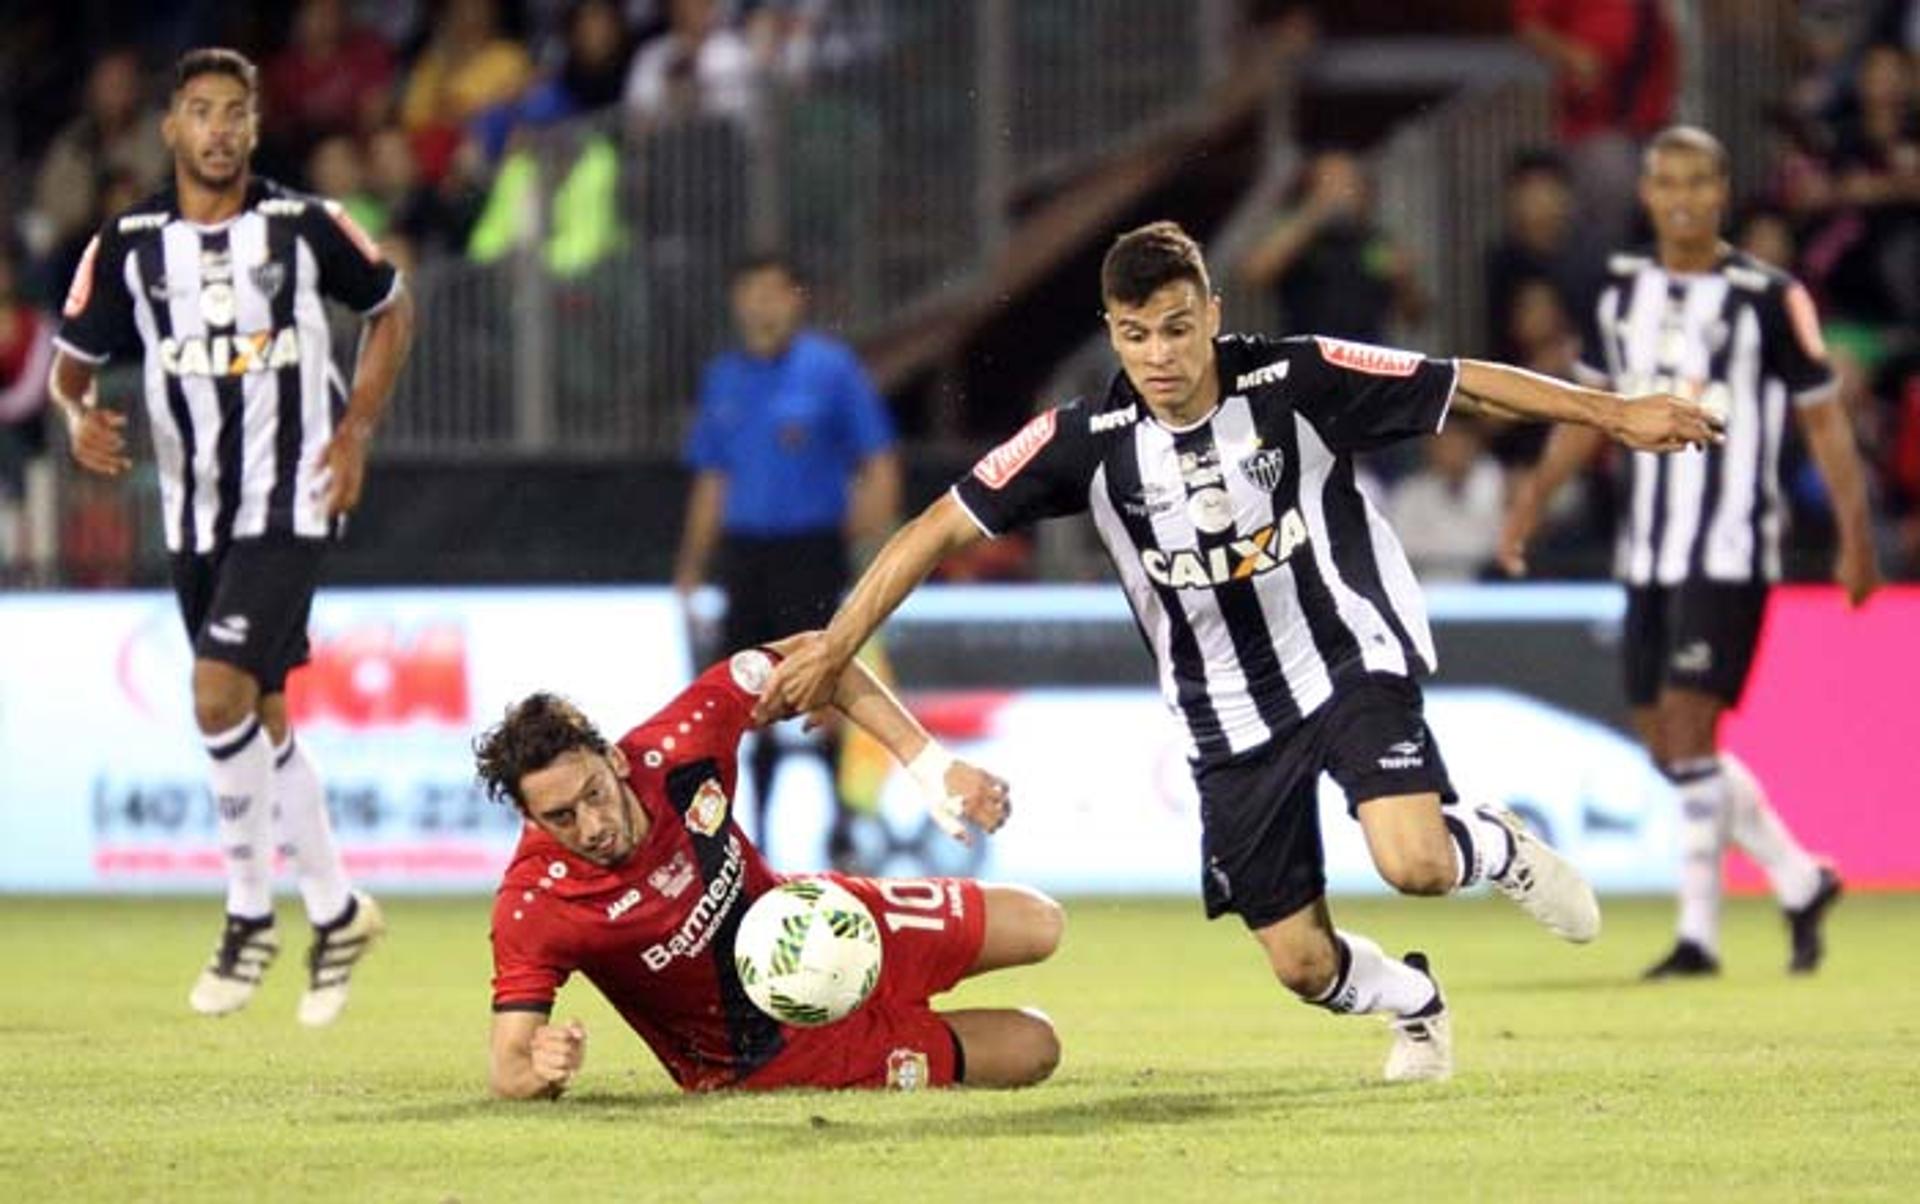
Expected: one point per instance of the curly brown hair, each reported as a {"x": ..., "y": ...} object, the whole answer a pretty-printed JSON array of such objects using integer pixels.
[{"x": 534, "y": 733}]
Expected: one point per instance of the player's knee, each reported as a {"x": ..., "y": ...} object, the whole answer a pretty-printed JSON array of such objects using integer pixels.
[
  {"x": 1036, "y": 924},
  {"x": 223, "y": 698},
  {"x": 1046, "y": 925},
  {"x": 1426, "y": 868},
  {"x": 1308, "y": 971},
  {"x": 1040, "y": 1048}
]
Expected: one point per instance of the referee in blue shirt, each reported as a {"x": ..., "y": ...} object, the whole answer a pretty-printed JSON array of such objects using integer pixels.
[{"x": 794, "y": 461}]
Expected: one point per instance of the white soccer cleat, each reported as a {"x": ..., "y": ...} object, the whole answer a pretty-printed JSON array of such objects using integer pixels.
[
  {"x": 1545, "y": 884},
  {"x": 240, "y": 960},
  {"x": 331, "y": 960},
  {"x": 1422, "y": 1045}
]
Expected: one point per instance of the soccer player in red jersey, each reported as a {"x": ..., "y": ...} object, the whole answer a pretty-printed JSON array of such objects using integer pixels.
[{"x": 633, "y": 873}]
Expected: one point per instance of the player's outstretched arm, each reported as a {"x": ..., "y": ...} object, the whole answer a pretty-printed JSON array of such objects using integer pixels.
[
  {"x": 533, "y": 1059},
  {"x": 1830, "y": 439},
  {"x": 1658, "y": 422},
  {"x": 806, "y": 680}
]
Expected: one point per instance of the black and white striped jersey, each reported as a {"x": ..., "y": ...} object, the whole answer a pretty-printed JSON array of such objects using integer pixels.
[
  {"x": 1742, "y": 338},
  {"x": 1260, "y": 576},
  {"x": 241, "y": 390}
]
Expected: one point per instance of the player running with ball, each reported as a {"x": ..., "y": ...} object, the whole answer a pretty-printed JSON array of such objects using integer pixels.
[
  {"x": 633, "y": 873},
  {"x": 1286, "y": 623}
]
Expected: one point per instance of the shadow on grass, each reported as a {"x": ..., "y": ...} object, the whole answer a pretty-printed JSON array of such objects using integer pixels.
[{"x": 1023, "y": 1114}]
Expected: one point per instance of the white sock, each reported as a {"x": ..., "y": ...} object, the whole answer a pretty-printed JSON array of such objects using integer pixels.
[
  {"x": 306, "y": 833},
  {"x": 1482, "y": 848},
  {"x": 241, "y": 775},
  {"x": 1753, "y": 825},
  {"x": 1369, "y": 981},
  {"x": 1703, "y": 842}
]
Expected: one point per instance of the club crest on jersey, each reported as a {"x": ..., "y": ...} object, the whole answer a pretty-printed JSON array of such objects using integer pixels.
[
  {"x": 268, "y": 277},
  {"x": 1004, "y": 463},
  {"x": 708, "y": 810},
  {"x": 906, "y": 1070},
  {"x": 1366, "y": 357},
  {"x": 1241, "y": 560},
  {"x": 1264, "y": 468}
]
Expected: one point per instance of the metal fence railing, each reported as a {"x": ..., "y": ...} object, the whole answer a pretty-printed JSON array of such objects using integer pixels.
[{"x": 887, "y": 175}]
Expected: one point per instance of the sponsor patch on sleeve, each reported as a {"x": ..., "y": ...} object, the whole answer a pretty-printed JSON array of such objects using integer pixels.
[
  {"x": 358, "y": 237},
  {"x": 1004, "y": 463},
  {"x": 1805, "y": 322},
  {"x": 751, "y": 670},
  {"x": 1368, "y": 358},
  {"x": 81, "y": 290}
]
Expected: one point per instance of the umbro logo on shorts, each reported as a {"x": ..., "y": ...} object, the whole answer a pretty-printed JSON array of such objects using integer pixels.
[{"x": 229, "y": 630}]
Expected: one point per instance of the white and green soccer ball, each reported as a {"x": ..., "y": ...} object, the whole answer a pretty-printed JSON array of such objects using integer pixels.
[{"x": 808, "y": 952}]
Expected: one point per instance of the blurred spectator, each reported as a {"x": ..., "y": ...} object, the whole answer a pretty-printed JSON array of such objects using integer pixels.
[
  {"x": 1537, "y": 243},
  {"x": 116, "y": 136},
  {"x": 466, "y": 68},
  {"x": 699, "y": 65},
  {"x": 1333, "y": 269},
  {"x": 1865, "y": 251},
  {"x": 333, "y": 78},
  {"x": 1616, "y": 68},
  {"x": 26, "y": 353},
  {"x": 430, "y": 222},
  {"x": 784, "y": 36},
  {"x": 592, "y": 76},
  {"x": 1448, "y": 513},
  {"x": 337, "y": 170},
  {"x": 1766, "y": 233},
  {"x": 1898, "y": 388}
]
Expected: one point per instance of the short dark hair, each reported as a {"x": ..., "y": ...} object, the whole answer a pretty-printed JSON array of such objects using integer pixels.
[
  {"x": 756, "y": 262},
  {"x": 535, "y": 732},
  {"x": 1538, "y": 160},
  {"x": 1142, "y": 262},
  {"x": 216, "y": 60},
  {"x": 1692, "y": 139}
]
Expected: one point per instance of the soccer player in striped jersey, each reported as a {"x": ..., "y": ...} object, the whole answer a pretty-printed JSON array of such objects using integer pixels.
[
  {"x": 219, "y": 283},
  {"x": 1288, "y": 629},
  {"x": 1700, "y": 536}
]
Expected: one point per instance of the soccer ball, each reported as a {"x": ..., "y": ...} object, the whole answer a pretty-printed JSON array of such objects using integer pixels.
[{"x": 808, "y": 952}]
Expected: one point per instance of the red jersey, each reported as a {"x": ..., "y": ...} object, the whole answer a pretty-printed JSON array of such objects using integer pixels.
[
  {"x": 655, "y": 934},
  {"x": 1639, "y": 57}
]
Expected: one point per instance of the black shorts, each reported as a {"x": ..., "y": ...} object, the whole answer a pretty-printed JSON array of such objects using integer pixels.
[
  {"x": 1699, "y": 635},
  {"x": 247, "y": 604},
  {"x": 1260, "y": 812},
  {"x": 779, "y": 585}
]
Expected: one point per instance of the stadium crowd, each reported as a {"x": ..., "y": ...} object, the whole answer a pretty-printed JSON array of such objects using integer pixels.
[{"x": 412, "y": 114}]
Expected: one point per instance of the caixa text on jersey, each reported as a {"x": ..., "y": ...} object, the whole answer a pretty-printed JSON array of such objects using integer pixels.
[{"x": 230, "y": 354}]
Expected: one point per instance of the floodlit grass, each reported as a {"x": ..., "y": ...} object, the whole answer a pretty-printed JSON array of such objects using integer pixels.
[{"x": 1188, "y": 1076}]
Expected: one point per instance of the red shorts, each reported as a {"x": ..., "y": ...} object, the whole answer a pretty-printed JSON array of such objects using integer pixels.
[{"x": 931, "y": 931}]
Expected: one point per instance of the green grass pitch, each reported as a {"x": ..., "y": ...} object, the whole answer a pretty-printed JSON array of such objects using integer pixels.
[{"x": 1188, "y": 1076}]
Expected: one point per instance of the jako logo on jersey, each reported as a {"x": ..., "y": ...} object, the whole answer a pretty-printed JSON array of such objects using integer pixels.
[
  {"x": 1109, "y": 422},
  {"x": 709, "y": 808},
  {"x": 1365, "y": 357},
  {"x": 624, "y": 904},
  {"x": 1262, "y": 552},
  {"x": 1003, "y": 463},
  {"x": 696, "y": 931},
  {"x": 1272, "y": 374},
  {"x": 230, "y": 355}
]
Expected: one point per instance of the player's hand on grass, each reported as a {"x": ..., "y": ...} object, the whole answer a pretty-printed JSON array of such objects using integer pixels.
[
  {"x": 343, "y": 468},
  {"x": 1857, "y": 569},
  {"x": 1661, "y": 422},
  {"x": 99, "y": 444},
  {"x": 557, "y": 1052}
]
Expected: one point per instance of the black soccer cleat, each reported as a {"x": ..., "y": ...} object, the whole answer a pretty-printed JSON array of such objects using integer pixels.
[
  {"x": 1688, "y": 960},
  {"x": 1804, "y": 924}
]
